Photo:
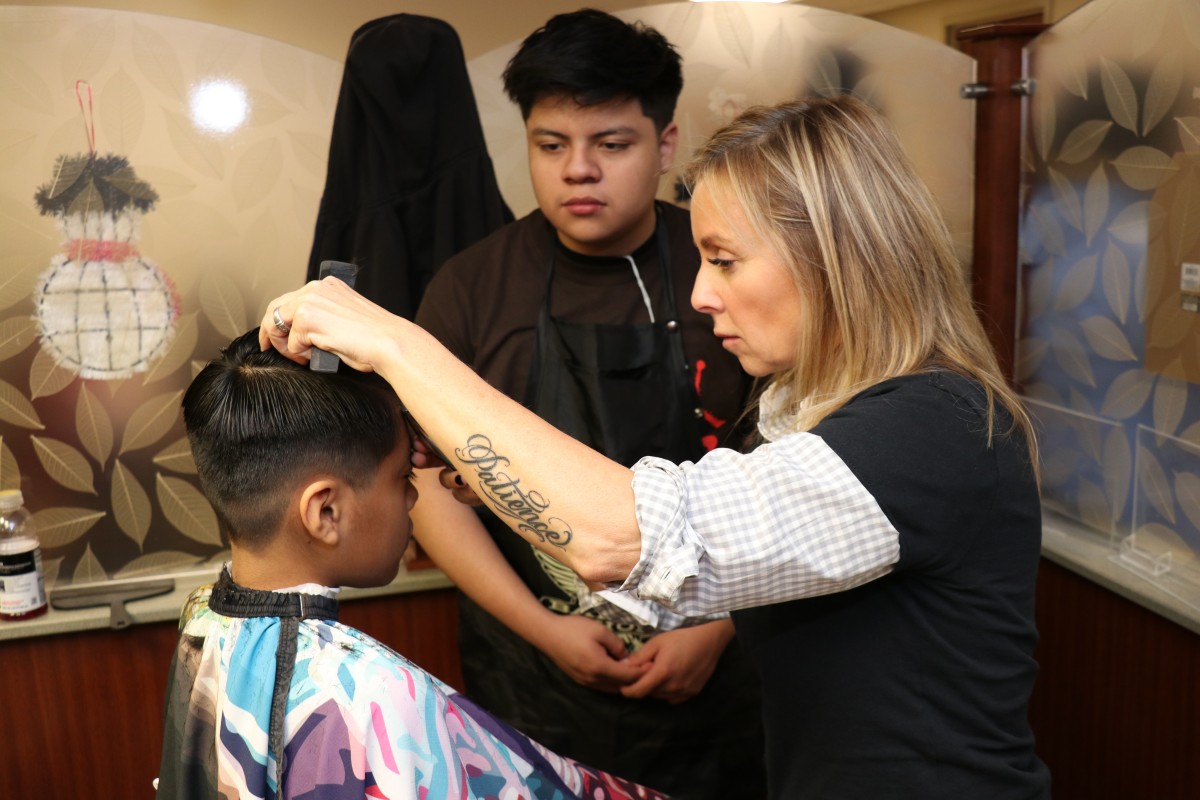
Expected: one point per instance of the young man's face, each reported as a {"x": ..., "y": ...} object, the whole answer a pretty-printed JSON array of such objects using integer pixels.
[
  {"x": 595, "y": 171},
  {"x": 381, "y": 526}
]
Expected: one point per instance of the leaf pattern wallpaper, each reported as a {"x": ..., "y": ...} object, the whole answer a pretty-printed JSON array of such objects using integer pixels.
[
  {"x": 232, "y": 132},
  {"x": 104, "y": 464},
  {"x": 740, "y": 54},
  {"x": 1109, "y": 346}
]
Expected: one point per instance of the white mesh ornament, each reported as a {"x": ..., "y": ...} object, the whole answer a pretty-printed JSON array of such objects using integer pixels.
[{"x": 103, "y": 310}]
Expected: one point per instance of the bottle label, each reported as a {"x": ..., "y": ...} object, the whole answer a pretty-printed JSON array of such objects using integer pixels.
[{"x": 22, "y": 588}]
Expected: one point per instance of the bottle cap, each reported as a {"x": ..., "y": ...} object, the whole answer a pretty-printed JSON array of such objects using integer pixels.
[{"x": 11, "y": 499}]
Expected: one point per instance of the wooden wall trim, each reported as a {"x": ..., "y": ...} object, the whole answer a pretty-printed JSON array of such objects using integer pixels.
[
  {"x": 997, "y": 50},
  {"x": 1116, "y": 708}
]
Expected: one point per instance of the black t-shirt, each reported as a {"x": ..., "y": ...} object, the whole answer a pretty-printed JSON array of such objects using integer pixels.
[{"x": 915, "y": 685}]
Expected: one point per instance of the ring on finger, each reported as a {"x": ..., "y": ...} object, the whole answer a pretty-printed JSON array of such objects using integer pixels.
[{"x": 279, "y": 323}]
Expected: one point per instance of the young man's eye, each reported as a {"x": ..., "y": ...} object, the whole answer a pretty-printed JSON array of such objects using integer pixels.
[
  {"x": 549, "y": 147},
  {"x": 614, "y": 147}
]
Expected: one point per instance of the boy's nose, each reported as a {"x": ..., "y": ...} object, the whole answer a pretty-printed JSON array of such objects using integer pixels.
[{"x": 581, "y": 167}]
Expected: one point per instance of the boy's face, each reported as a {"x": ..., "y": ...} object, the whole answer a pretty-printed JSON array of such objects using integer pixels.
[
  {"x": 595, "y": 171},
  {"x": 380, "y": 527}
]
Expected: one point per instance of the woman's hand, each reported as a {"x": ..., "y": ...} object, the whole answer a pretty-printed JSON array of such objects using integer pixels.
[{"x": 330, "y": 315}]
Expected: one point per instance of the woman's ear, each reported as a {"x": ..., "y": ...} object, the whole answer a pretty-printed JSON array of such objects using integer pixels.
[{"x": 321, "y": 510}]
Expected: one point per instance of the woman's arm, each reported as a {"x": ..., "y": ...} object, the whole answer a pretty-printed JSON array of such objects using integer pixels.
[
  {"x": 561, "y": 496},
  {"x": 455, "y": 538}
]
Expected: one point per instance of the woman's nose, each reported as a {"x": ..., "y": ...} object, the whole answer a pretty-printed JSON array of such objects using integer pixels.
[{"x": 704, "y": 298}]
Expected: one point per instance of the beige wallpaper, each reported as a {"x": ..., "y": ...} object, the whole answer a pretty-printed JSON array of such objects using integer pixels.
[
  {"x": 324, "y": 27},
  {"x": 141, "y": 271},
  {"x": 231, "y": 131}
]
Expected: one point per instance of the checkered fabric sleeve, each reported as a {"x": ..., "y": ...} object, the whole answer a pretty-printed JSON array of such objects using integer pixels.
[{"x": 733, "y": 530}]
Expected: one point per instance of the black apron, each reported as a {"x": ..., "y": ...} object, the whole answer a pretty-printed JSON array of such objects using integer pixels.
[
  {"x": 624, "y": 390},
  {"x": 627, "y": 391}
]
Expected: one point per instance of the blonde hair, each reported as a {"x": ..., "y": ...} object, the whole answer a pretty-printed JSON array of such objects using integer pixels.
[{"x": 825, "y": 183}]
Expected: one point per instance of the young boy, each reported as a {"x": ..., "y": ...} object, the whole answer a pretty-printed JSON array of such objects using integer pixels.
[{"x": 310, "y": 477}]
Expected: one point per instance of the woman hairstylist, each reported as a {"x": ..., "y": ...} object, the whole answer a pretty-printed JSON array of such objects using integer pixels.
[{"x": 878, "y": 546}]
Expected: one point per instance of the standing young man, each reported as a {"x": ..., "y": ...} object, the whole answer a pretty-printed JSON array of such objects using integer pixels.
[{"x": 581, "y": 311}]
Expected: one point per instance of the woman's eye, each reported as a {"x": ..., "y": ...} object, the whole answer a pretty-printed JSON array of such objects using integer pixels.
[{"x": 723, "y": 263}]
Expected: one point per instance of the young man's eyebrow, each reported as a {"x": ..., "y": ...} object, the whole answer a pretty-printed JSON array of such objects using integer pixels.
[{"x": 620, "y": 130}]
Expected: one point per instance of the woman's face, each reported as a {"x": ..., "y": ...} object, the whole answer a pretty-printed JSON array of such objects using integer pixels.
[{"x": 744, "y": 286}]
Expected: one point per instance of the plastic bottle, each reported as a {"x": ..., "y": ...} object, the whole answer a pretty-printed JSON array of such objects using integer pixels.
[{"x": 22, "y": 586}]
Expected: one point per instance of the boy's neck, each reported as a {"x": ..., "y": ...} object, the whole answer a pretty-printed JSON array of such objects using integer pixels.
[{"x": 267, "y": 572}]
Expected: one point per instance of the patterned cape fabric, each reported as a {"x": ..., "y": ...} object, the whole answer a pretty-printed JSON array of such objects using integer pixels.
[{"x": 361, "y": 722}]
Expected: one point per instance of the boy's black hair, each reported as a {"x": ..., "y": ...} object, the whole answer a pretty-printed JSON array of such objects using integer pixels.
[
  {"x": 258, "y": 423},
  {"x": 592, "y": 58}
]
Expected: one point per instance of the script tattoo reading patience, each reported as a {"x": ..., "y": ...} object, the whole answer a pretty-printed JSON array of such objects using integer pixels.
[{"x": 506, "y": 495}]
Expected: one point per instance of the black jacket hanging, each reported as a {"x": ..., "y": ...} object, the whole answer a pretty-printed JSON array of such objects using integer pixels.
[{"x": 409, "y": 181}]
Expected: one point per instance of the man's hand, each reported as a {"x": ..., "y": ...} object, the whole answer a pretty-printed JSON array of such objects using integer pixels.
[
  {"x": 680, "y": 661},
  {"x": 450, "y": 479},
  {"x": 589, "y": 653},
  {"x": 423, "y": 454}
]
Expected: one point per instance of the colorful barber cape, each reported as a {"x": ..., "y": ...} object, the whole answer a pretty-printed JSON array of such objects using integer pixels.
[{"x": 270, "y": 697}]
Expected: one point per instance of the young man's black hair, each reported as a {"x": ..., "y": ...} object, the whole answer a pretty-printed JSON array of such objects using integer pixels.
[
  {"x": 256, "y": 421},
  {"x": 592, "y": 58}
]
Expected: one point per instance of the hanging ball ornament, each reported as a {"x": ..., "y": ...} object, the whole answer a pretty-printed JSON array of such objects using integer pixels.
[{"x": 103, "y": 310}]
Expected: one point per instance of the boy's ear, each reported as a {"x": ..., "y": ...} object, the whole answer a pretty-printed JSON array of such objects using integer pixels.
[
  {"x": 667, "y": 141},
  {"x": 321, "y": 510}
]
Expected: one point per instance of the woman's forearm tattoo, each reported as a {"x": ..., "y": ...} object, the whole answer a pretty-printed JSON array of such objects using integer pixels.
[{"x": 504, "y": 492}]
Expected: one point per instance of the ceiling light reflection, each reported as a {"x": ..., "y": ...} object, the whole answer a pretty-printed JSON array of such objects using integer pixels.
[{"x": 218, "y": 105}]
